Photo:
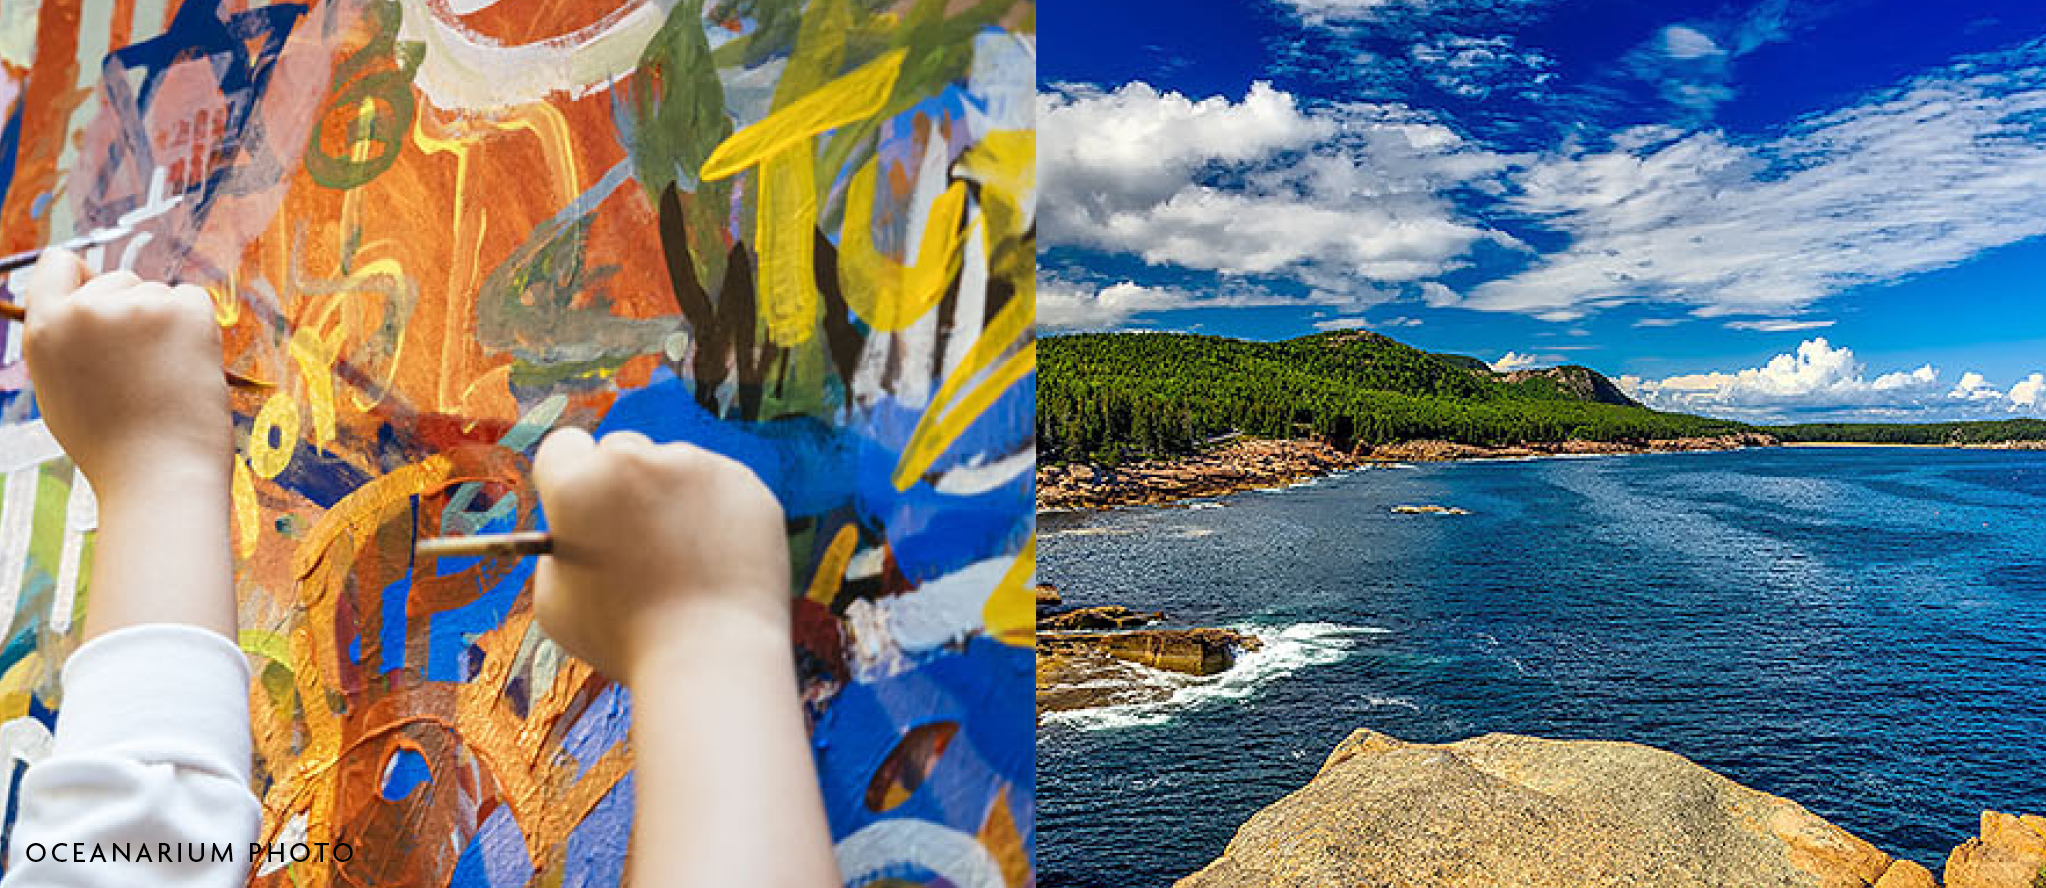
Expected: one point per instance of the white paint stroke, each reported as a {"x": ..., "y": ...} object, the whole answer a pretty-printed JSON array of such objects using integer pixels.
[
  {"x": 81, "y": 515},
  {"x": 466, "y": 71},
  {"x": 17, "y": 527}
]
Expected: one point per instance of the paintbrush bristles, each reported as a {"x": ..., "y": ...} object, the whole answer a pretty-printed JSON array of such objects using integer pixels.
[{"x": 508, "y": 545}]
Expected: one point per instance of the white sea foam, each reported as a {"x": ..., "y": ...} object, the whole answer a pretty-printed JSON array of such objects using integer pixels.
[
  {"x": 1204, "y": 505},
  {"x": 1284, "y": 651}
]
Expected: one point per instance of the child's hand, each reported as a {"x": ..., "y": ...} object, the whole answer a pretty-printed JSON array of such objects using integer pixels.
[
  {"x": 127, "y": 375},
  {"x": 655, "y": 546}
]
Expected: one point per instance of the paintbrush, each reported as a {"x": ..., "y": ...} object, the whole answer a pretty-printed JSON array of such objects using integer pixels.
[
  {"x": 13, "y": 312},
  {"x": 16, "y": 312},
  {"x": 27, "y": 258},
  {"x": 525, "y": 542}
]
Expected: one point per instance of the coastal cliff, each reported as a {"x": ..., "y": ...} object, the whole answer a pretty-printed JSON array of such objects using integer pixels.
[{"x": 1523, "y": 812}]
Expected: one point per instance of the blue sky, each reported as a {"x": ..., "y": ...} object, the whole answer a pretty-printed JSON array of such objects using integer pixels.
[{"x": 1767, "y": 210}]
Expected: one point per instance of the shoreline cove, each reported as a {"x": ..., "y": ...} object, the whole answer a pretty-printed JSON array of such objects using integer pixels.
[{"x": 1456, "y": 651}]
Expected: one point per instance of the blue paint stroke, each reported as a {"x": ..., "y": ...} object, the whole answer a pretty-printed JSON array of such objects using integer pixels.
[
  {"x": 496, "y": 856},
  {"x": 995, "y": 746},
  {"x": 595, "y": 855},
  {"x": 404, "y": 773},
  {"x": 814, "y": 468},
  {"x": 600, "y": 727}
]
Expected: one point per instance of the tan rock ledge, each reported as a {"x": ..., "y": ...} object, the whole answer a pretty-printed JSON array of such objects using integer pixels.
[{"x": 1505, "y": 811}]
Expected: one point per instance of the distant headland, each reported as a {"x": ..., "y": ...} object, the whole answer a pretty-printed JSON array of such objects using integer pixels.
[{"x": 1142, "y": 418}]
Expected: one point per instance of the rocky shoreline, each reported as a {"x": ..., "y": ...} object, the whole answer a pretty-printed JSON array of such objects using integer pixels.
[
  {"x": 1090, "y": 657},
  {"x": 1258, "y": 463},
  {"x": 1506, "y": 810}
]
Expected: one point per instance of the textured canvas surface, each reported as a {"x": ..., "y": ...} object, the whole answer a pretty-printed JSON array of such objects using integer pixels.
[{"x": 800, "y": 234}]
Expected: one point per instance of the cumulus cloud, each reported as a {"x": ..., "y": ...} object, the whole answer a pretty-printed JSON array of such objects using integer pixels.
[
  {"x": 1514, "y": 360},
  {"x": 1913, "y": 179},
  {"x": 1067, "y": 306},
  {"x": 1260, "y": 186},
  {"x": 1823, "y": 381},
  {"x": 2029, "y": 392},
  {"x": 1974, "y": 387}
]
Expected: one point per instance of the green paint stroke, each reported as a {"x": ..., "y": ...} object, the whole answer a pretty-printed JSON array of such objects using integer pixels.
[
  {"x": 677, "y": 119},
  {"x": 368, "y": 77}
]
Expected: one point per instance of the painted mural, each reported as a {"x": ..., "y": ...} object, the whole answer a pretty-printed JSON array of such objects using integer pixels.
[{"x": 798, "y": 233}]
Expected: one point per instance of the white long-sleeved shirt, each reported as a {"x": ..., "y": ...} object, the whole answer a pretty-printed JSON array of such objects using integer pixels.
[{"x": 151, "y": 759}]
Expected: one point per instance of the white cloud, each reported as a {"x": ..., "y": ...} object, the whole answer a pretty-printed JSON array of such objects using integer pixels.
[
  {"x": 1356, "y": 323},
  {"x": 1822, "y": 381},
  {"x": 1685, "y": 42},
  {"x": 1514, "y": 360},
  {"x": 1475, "y": 67},
  {"x": 1778, "y": 325},
  {"x": 1325, "y": 12},
  {"x": 1065, "y": 306},
  {"x": 1329, "y": 196},
  {"x": 1437, "y": 295},
  {"x": 1912, "y": 179},
  {"x": 2029, "y": 392},
  {"x": 1973, "y": 387},
  {"x": 1660, "y": 322}
]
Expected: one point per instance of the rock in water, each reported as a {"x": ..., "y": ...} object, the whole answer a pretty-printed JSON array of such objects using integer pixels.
[
  {"x": 1188, "y": 651},
  {"x": 1504, "y": 811},
  {"x": 1429, "y": 510},
  {"x": 1109, "y": 616},
  {"x": 2011, "y": 853},
  {"x": 1047, "y": 598}
]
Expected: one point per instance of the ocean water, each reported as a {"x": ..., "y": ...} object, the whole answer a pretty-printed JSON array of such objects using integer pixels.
[{"x": 1862, "y": 631}]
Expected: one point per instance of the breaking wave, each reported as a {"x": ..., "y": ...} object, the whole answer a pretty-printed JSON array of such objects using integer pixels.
[{"x": 1284, "y": 651}]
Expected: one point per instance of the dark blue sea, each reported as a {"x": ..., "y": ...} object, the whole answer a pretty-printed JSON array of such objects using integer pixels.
[{"x": 1860, "y": 630}]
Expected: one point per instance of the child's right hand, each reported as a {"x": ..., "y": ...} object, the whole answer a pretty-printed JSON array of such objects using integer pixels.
[
  {"x": 127, "y": 376},
  {"x": 655, "y": 545}
]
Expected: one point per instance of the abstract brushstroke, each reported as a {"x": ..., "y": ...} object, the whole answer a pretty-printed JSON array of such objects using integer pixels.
[{"x": 798, "y": 233}]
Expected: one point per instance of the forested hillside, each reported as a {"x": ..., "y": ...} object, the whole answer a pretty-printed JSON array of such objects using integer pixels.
[
  {"x": 1108, "y": 397},
  {"x": 1989, "y": 432}
]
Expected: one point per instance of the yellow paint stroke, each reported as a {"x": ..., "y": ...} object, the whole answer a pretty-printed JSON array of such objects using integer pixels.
[
  {"x": 471, "y": 219},
  {"x": 944, "y": 421},
  {"x": 227, "y": 303},
  {"x": 366, "y": 508},
  {"x": 1004, "y": 842},
  {"x": 247, "y": 516},
  {"x": 784, "y": 223},
  {"x": 273, "y": 645},
  {"x": 785, "y": 214},
  {"x": 18, "y": 686},
  {"x": 1010, "y": 613},
  {"x": 280, "y": 414},
  {"x": 1004, "y": 162},
  {"x": 831, "y": 568},
  {"x": 849, "y": 99},
  {"x": 315, "y": 355},
  {"x": 886, "y": 294}
]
